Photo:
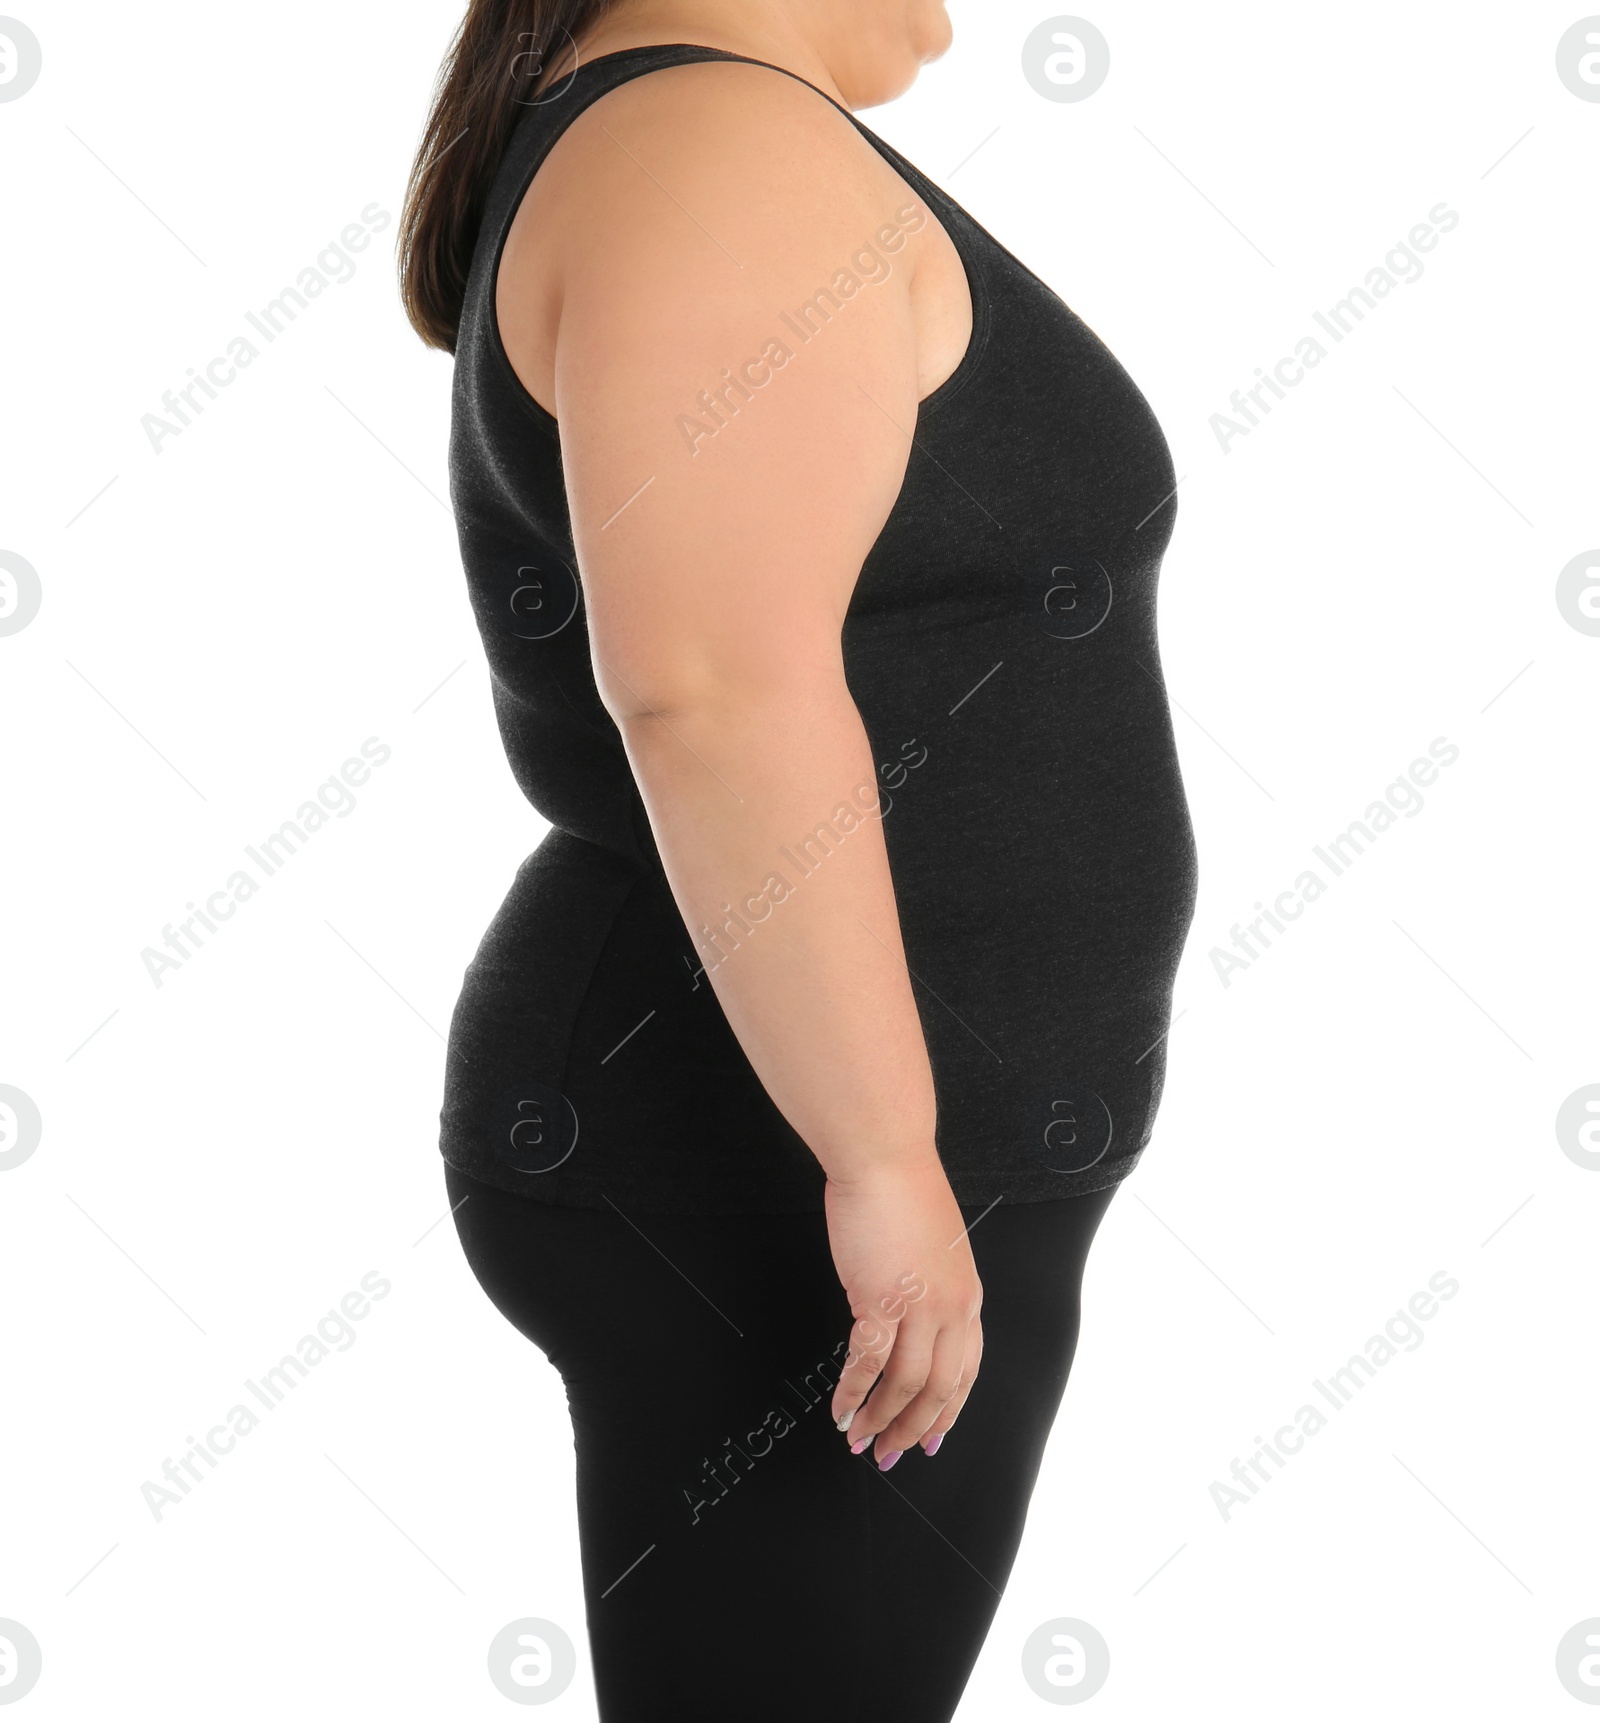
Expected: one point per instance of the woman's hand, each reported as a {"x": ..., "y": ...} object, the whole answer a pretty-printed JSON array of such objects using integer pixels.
[{"x": 900, "y": 1246}]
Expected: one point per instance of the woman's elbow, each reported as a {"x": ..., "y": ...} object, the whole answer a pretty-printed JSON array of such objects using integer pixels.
[{"x": 657, "y": 691}]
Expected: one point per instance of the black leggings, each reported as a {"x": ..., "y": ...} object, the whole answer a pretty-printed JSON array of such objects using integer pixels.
[{"x": 785, "y": 1578}]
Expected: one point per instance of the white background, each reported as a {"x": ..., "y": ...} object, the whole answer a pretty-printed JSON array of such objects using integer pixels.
[{"x": 225, "y": 1156}]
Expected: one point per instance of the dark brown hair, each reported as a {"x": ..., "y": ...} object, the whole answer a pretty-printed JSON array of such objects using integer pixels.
[{"x": 493, "y": 63}]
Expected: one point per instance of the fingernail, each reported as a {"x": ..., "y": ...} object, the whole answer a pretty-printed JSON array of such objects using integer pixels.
[
  {"x": 845, "y": 1422},
  {"x": 889, "y": 1459},
  {"x": 856, "y": 1447},
  {"x": 932, "y": 1446}
]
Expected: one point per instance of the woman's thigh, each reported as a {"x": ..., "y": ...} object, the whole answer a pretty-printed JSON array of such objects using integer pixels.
[{"x": 737, "y": 1558}]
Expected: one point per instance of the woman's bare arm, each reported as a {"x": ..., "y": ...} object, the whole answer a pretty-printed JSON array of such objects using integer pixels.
[{"x": 724, "y": 494}]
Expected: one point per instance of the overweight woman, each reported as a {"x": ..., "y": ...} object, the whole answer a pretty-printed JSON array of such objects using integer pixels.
[{"x": 813, "y": 542}]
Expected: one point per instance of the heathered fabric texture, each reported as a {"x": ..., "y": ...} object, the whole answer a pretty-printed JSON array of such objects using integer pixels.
[{"x": 1001, "y": 648}]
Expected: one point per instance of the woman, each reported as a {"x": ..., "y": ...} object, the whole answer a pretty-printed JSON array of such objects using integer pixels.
[{"x": 814, "y": 543}]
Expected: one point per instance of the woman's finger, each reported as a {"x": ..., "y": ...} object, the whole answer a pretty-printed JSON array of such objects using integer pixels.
[
  {"x": 939, "y": 1384},
  {"x": 870, "y": 1341},
  {"x": 905, "y": 1374},
  {"x": 935, "y": 1433}
]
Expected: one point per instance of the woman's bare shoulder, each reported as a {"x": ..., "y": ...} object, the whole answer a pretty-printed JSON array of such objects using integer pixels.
[{"x": 751, "y": 156}]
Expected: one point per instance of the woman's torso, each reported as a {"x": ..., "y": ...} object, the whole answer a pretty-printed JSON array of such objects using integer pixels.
[{"x": 1001, "y": 647}]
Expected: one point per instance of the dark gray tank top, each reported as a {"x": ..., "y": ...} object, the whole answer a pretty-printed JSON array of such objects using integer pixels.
[{"x": 1001, "y": 647}]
